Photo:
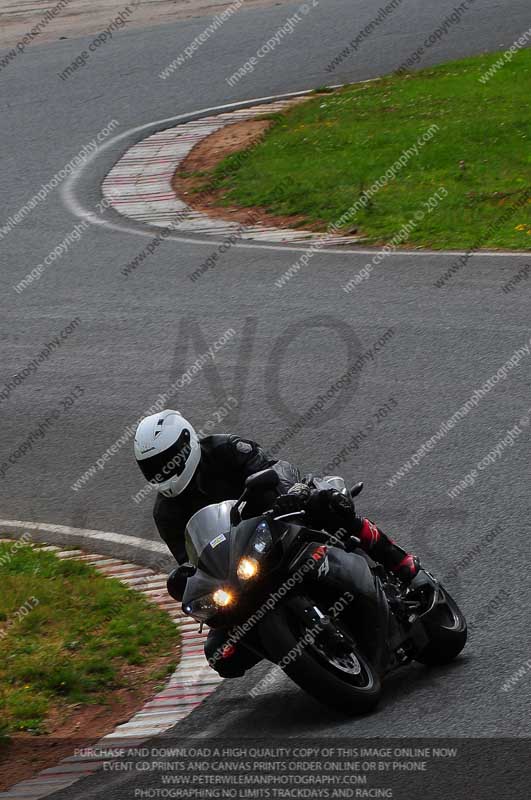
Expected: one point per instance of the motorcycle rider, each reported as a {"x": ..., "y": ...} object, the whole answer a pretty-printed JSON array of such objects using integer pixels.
[{"x": 191, "y": 473}]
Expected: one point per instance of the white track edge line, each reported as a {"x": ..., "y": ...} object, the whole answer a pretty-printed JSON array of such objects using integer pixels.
[{"x": 105, "y": 536}]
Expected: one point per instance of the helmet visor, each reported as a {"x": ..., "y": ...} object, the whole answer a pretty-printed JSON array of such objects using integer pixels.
[{"x": 171, "y": 462}]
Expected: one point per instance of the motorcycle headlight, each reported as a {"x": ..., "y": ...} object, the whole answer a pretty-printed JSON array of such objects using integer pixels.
[
  {"x": 260, "y": 544},
  {"x": 205, "y": 607},
  {"x": 247, "y": 568},
  {"x": 222, "y": 598}
]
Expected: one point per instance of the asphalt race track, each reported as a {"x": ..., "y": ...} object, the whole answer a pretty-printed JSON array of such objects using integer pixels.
[{"x": 138, "y": 334}]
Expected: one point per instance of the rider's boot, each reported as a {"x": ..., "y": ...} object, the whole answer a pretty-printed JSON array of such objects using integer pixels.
[{"x": 384, "y": 550}]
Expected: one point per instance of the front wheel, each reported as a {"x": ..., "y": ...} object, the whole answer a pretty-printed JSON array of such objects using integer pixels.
[
  {"x": 327, "y": 664},
  {"x": 447, "y": 630}
]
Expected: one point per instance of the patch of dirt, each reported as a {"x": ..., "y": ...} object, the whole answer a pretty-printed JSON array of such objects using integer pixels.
[
  {"x": 70, "y": 727},
  {"x": 231, "y": 139},
  {"x": 205, "y": 156}
]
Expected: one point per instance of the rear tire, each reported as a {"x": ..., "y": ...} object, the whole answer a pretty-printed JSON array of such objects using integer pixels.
[
  {"x": 313, "y": 670},
  {"x": 447, "y": 630}
]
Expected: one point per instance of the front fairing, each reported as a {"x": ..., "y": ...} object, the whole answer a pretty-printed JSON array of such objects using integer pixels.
[{"x": 216, "y": 549}]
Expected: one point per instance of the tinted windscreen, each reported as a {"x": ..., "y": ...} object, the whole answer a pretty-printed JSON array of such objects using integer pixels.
[
  {"x": 208, "y": 526},
  {"x": 170, "y": 462}
]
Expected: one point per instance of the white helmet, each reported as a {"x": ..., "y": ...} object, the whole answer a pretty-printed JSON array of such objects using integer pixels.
[{"x": 167, "y": 451}]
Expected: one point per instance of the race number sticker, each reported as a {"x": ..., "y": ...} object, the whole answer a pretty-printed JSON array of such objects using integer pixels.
[{"x": 217, "y": 540}]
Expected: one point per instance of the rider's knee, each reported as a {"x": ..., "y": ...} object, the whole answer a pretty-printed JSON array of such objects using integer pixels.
[{"x": 229, "y": 660}]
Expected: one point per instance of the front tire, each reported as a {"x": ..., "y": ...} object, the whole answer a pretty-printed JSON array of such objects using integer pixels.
[
  {"x": 347, "y": 683},
  {"x": 447, "y": 630}
]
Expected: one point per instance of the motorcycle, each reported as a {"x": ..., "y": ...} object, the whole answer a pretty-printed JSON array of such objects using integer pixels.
[{"x": 267, "y": 582}]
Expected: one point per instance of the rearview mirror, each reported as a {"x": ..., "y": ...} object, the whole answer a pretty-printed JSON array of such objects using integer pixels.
[
  {"x": 356, "y": 489},
  {"x": 186, "y": 570},
  {"x": 266, "y": 479}
]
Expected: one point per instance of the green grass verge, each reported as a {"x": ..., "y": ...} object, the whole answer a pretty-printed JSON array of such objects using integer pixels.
[
  {"x": 79, "y": 631},
  {"x": 318, "y": 158}
]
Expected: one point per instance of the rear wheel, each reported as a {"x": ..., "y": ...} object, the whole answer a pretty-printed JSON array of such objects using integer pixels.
[
  {"x": 331, "y": 668},
  {"x": 447, "y": 630}
]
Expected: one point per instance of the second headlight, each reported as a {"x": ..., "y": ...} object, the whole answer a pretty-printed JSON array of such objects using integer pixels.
[
  {"x": 247, "y": 568},
  {"x": 259, "y": 545},
  {"x": 261, "y": 542}
]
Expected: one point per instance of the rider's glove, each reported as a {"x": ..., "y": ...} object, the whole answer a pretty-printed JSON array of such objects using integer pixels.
[
  {"x": 332, "y": 511},
  {"x": 340, "y": 503},
  {"x": 295, "y": 500},
  {"x": 328, "y": 506}
]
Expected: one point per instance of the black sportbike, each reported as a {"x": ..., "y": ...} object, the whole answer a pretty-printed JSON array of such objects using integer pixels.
[{"x": 314, "y": 604}]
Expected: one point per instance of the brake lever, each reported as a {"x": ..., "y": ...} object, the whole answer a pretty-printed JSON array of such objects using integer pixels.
[{"x": 291, "y": 514}]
